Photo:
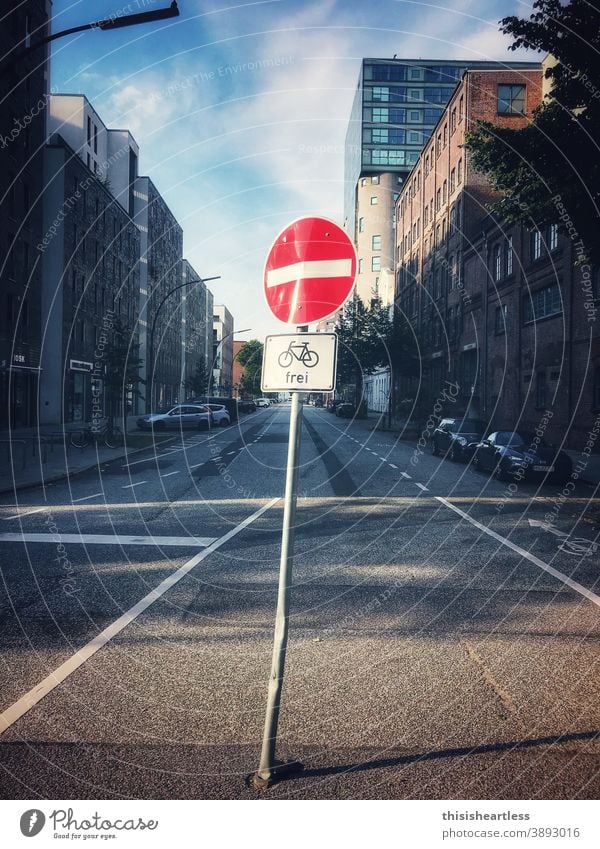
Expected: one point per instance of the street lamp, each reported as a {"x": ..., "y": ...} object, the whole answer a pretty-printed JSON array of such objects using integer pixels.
[
  {"x": 150, "y": 359},
  {"x": 224, "y": 339},
  {"x": 114, "y": 22}
]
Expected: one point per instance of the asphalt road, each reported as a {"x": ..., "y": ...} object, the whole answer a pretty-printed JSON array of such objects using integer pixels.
[{"x": 443, "y": 643}]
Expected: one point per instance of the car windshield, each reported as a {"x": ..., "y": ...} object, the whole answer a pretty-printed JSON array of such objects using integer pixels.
[
  {"x": 468, "y": 426},
  {"x": 519, "y": 440}
]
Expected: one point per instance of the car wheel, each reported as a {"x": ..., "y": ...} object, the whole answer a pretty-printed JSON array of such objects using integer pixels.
[
  {"x": 477, "y": 465},
  {"x": 435, "y": 450},
  {"x": 500, "y": 472},
  {"x": 454, "y": 454},
  {"x": 224, "y": 423}
]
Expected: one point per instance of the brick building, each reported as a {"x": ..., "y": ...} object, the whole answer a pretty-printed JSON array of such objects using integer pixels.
[
  {"x": 440, "y": 214},
  {"x": 23, "y": 100}
]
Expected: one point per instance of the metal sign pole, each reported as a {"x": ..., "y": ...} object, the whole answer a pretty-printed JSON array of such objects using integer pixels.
[{"x": 269, "y": 768}]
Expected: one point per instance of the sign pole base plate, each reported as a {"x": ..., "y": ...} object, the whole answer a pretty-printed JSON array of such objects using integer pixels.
[{"x": 279, "y": 772}]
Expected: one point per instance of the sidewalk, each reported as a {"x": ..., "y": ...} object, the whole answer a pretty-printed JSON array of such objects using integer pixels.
[{"x": 28, "y": 461}]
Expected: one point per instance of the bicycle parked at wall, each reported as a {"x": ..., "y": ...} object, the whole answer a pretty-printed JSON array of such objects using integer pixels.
[{"x": 106, "y": 433}]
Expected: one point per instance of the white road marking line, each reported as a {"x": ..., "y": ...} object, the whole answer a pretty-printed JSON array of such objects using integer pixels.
[
  {"x": 309, "y": 269},
  {"x": 86, "y": 497},
  {"x": 393, "y": 467},
  {"x": 20, "y": 515},
  {"x": 131, "y": 485},
  {"x": 579, "y": 588},
  {"x": 195, "y": 466},
  {"x": 168, "y": 474},
  {"x": 420, "y": 485},
  {"x": 30, "y": 699},
  {"x": 230, "y": 452},
  {"x": 404, "y": 475},
  {"x": 109, "y": 539}
]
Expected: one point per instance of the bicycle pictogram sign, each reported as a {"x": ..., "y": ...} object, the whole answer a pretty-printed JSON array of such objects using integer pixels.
[{"x": 298, "y": 351}]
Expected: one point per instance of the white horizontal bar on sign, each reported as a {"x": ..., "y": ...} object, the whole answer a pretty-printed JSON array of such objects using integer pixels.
[{"x": 309, "y": 269}]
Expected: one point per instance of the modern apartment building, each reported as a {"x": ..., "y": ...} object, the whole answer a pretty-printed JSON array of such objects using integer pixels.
[
  {"x": 396, "y": 106},
  {"x": 196, "y": 319},
  {"x": 222, "y": 382},
  {"x": 90, "y": 268},
  {"x": 161, "y": 256},
  {"x": 24, "y": 94}
]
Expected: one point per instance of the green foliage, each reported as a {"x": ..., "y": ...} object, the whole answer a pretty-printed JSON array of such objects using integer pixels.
[
  {"x": 121, "y": 369},
  {"x": 250, "y": 357},
  {"x": 199, "y": 380},
  {"x": 557, "y": 154}
]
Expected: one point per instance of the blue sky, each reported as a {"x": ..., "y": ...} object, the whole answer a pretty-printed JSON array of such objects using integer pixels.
[{"x": 240, "y": 109}]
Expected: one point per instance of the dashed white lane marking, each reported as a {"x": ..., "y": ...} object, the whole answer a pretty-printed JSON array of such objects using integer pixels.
[
  {"x": 392, "y": 465},
  {"x": 20, "y": 515},
  {"x": 579, "y": 588},
  {"x": 109, "y": 539},
  {"x": 131, "y": 485},
  {"x": 30, "y": 699},
  {"x": 420, "y": 485},
  {"x": 195, "y": 466},
  {"x": 405, "y": 476},
  {"x": 86, "y": 497},
  {"x": 168, "y": 474}
]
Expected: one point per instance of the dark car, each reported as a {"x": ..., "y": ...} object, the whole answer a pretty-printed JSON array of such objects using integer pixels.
[
  {"x": 246, "y": 406},
  {"x": 318, "y": 402},
  {"x": 331, "y": 407},
  {"x": 456, "y": 437},
  {"x": 345, "y": 410},
  {"x": 520, "y": 454}
]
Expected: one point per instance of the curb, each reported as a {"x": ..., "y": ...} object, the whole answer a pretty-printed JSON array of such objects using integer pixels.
[{"x": 58, "y": 476}]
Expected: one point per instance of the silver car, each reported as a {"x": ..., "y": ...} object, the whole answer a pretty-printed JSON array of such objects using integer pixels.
[
  {"x": 182, "y": 416},
  {"x": 220, "y": 414}
]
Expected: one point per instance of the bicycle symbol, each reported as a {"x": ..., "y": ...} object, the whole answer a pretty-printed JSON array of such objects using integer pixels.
[{"x": 298, "y": 351}]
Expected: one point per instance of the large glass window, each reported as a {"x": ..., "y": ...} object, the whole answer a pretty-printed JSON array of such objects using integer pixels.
[
  {"x": 432, "y": 116},
  {"x": 542, "y": 303},
  {"x": 380, "y": 93},
  {"x": 397, "y": 116},
  {"x": 387, "y": 157},
  {"x": 380, "y": 115},
  {"x": 392, "y": 73},
  {"x": 500, "y": 317},
  {"x": 375, "y": 263},
  {"x": 442, "y": 74},
  {"x": 536, "y": 244},
  {"x": 437, "y": 95},
  {"x": 376, "y": 243},
  {"x": 511, "y": 99}
]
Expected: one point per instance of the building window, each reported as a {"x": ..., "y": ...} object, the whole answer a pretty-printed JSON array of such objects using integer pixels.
[
  {"x": 375, "y": 180},
  {"x": 89, "y": 131},
  {"x": 461, "y": 105},
  {"x": 375, "y": 263},
  {"x": 445, "y": 191},
  {"x": 361, "y": 225},
  {"x": 509, "y": 255},
  {"x": 553, "y": 237},
  {"x": 374, "y": 200},
  {"x": 542, "y": 303},
  {"x": 497, "y": 263},
  {"x": 414, "y": 137},
  {"x": 415, "y": 94},
  {"x": 540, "y": 390},
  {"x": 453, "y": 120},
  {"x": 500, "y": 317},
  {"x": 459, "y": 172},
  {"x": 360, "y": 266},
  {"x": 376, "y": 243},
  {"x": 511, "y": 99},
  {"x": 536, "y": 244},
  {"x": 381, "y": 115},
  {"x": 452, "y": 180},
  {"x": 381, "y": 93},
  {"x": 438, "y": 200},
  {"x": 445, "y": 134}
]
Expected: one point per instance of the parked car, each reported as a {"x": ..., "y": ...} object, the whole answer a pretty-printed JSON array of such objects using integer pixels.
[
  {"x": 230, "y": 404},
  {"x": 318, "y": 402},
  {"x": 345, "y": 410},
  {"x": 246, "y": 406},
  {"x": 181, "y": 416},
  {"x": 262, "y": 402},
  {"x": 456, "y": 437},
  {"x": 520, "y": 454},
  {"x": 331, "y": 406},
  {"x": 220, "y": 415}
]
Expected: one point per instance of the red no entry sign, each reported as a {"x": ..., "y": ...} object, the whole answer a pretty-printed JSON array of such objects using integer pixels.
[{"x": 310, "y": 271}]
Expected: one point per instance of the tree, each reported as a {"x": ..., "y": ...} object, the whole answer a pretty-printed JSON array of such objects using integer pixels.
[
  {"x": 550, "y": 170},
  {"x": 250, "y": 357},
  {"x": 121, "y": 369},
  {"x": 199, "y": 380}
]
